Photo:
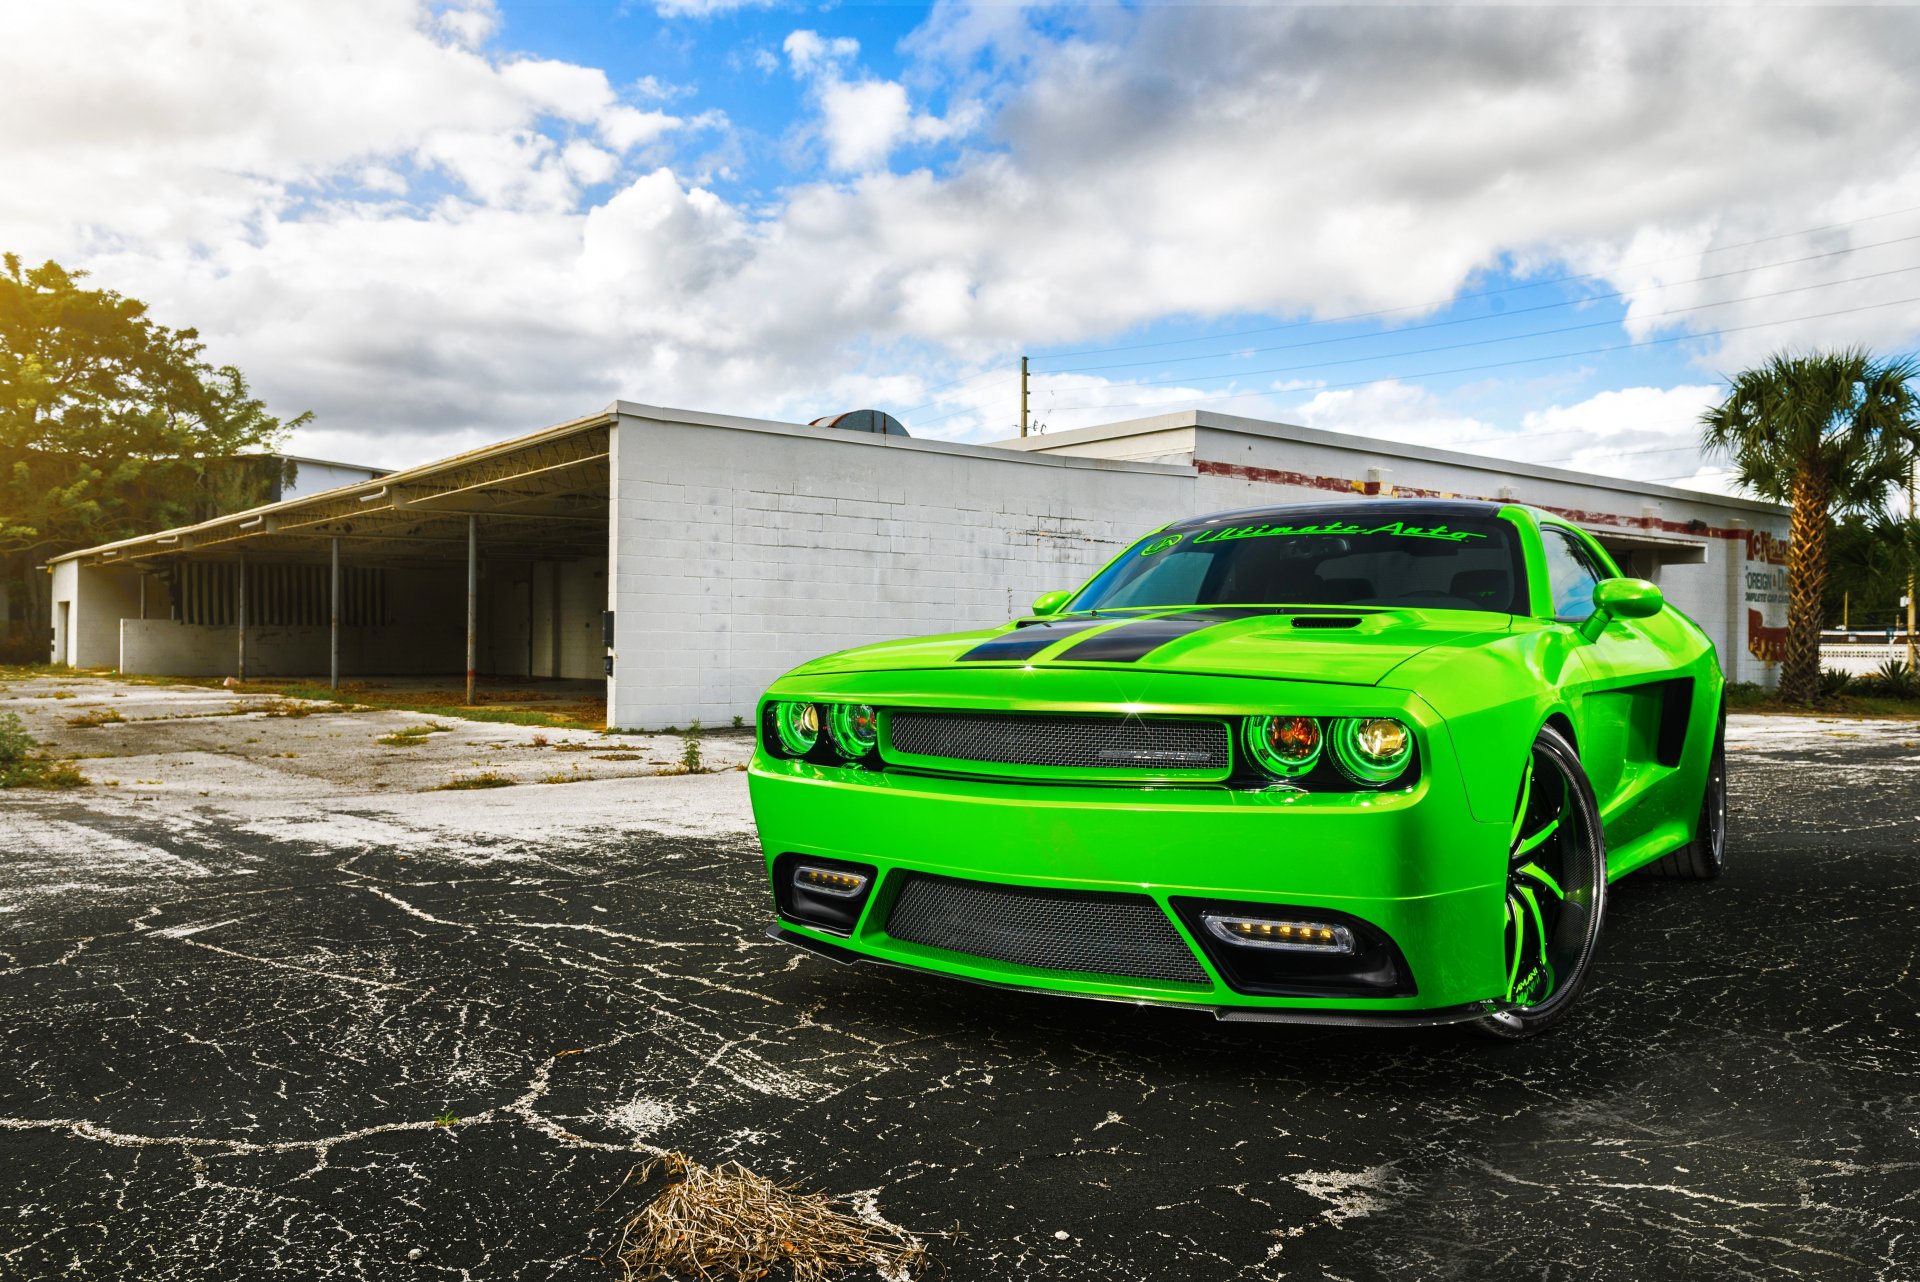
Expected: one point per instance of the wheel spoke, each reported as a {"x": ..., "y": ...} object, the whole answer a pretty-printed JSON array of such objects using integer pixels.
[{"x": 1526, "y": 796}]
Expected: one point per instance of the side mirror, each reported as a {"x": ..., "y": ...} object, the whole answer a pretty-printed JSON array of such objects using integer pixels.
[
  {"x": 1050, "y": 602},
  {"x": 1621, "y": 599}
]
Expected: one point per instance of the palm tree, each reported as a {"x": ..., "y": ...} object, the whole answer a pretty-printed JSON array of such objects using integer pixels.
[{"x": 1827, "y": 432}]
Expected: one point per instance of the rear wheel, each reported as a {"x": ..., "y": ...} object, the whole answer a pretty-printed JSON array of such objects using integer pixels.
[
  {"x": 1705, "y": 857},
  {"x": 1556, "y": 891}
]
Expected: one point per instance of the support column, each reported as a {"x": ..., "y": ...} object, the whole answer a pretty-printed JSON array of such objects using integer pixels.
[
  {"x": 241, "y": 613},
  {"x": 553, "y": 621},
  {"x": 473, "y": 596},
  {"x": 333, "y": 620}
]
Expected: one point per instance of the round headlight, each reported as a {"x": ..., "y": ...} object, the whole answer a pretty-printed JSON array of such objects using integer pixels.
[
  {"x": 797, "y": 726},
  {"x": 1372, "y": 749},
  {"x": 1285, "y": 746},
  {"x": 855, "y": 728}
]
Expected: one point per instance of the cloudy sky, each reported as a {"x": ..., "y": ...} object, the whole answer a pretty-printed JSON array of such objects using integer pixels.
[{"x": 1534, "y": 231}]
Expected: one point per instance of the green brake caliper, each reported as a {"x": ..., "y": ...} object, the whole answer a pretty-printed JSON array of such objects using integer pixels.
[{"x": 1530, "y": 975}]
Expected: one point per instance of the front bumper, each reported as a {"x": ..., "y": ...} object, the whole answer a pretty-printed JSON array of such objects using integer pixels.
[{"x": 1414, "y": 864}]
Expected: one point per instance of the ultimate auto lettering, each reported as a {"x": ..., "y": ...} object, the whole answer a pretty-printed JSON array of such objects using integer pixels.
[{"x": 1398, "y": 528}]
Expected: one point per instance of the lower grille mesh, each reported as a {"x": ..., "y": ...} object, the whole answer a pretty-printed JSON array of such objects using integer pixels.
[
  {"x": 1101, "y": 934},
  {"x": 1076, "y": 743}
]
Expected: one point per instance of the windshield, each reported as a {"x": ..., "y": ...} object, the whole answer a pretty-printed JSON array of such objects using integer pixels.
[{"x": 1337, "y": 560}]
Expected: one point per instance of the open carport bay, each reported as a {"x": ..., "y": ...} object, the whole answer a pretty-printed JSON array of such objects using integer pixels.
[{"x": 234, "y": 1025}]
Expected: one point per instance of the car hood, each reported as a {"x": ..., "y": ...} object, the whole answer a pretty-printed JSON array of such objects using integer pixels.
[{"x": 1304, "y": 644}]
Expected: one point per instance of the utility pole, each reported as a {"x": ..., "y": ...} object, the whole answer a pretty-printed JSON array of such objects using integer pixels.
[
  {"x": 1023, "y": 396},
  {"x": 1913, "y": 484}
]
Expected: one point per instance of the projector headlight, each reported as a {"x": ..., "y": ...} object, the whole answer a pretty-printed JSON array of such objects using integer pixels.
[
  {"x": 1284, "y": 746},
  {"x": 797, "y": 727},
  {"x": 1372, "y": 750},
  {"x": 855, "y": 728}
]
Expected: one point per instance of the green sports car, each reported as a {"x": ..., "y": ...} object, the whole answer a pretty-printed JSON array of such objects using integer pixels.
[{"x": 1364, "y": 762}]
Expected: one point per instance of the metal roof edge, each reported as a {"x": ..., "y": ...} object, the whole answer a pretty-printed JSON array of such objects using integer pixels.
[
  {"x": 964, "y": 449},
  {"x": 1215, "y": 421},
  {"x": 600, "y": 418}
]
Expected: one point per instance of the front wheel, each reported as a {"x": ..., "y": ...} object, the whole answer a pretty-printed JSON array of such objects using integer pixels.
[{"x": 1556, "y": 891}]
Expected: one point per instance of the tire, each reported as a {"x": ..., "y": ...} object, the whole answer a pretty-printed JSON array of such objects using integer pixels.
[
  {"x": 1556, "y": 892},
  {"x": 1705, "y": 857}
]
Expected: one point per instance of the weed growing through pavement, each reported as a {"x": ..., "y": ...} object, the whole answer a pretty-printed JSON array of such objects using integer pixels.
[
  {"x": 690, "y": 749},
  {"x": 445, "y": 1119},
  {"x": 96, "y": 718},
  {"x": 23, "y": 766}
]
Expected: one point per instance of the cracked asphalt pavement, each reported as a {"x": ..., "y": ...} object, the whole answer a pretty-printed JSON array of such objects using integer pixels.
[{"x": 317, "y": 1031}]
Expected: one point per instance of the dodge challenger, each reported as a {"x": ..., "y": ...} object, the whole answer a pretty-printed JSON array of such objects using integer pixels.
[{"x": 1372, "y": 762}]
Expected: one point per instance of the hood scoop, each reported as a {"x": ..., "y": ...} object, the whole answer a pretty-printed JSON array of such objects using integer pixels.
[{"x": 1327, "y": 621}]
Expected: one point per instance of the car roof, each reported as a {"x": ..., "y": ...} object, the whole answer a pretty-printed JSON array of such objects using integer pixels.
[{"x": 1369, "y": 510}]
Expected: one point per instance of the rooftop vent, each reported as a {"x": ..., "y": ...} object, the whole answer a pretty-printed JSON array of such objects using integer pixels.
[{"x": 875, "y": 421}]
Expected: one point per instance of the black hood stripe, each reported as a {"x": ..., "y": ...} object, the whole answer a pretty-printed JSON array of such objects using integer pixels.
[
  {"x": 1133, "y": 641},
  {"x": 1028, "y": 641}
]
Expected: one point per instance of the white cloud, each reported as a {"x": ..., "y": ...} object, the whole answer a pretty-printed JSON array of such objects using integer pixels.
[
  {"x": 704, "y": 8},
  {"x": 1150, "y": 162},
  {"x": 1392, "y": 411},
  {"x": 624, "y": 128},
  {"x": 809, "y": 54},
  {"x": 863, "y": 122}
]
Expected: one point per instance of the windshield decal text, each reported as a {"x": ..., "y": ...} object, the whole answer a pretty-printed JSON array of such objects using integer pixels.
[{"x": 1398, "y": 529}]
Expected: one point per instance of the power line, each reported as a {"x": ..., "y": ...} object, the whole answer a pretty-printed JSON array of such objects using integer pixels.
[
  {"x": 990, "y": 373},
  {"x": 1510, "y": 338},
  {"x": 1524, "y": 360},
  {"x": 1519, "y": 311},
  {"x": 1484, "y": 293}
]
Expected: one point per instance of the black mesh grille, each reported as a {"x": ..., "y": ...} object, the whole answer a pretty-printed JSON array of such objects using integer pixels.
[
  {"x": 1100, "y": 934},
  {"x": 1073, "y": 743}
]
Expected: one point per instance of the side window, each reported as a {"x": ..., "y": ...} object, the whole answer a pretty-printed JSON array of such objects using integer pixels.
[{"x": 1571, "y": 574}]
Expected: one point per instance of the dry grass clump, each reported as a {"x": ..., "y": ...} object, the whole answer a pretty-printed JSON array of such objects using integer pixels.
[
  {"x": 411, "y": 736},
  {"x": 96, "y": 718},
  {"x": 485, "y": 779},
  {"x": 726, "y": 1224}
]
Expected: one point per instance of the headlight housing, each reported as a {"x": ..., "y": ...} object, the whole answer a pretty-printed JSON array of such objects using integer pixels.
[
  {"x": 1329, "y": 752},
  {"x": 828, "y": 733}
]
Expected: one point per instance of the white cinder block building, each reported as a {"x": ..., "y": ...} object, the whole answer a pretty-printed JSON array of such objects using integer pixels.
[{"x": 688, "y": 558}]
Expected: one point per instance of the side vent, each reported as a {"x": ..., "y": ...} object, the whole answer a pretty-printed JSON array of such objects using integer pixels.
[{"x": 1327, "y": 621}]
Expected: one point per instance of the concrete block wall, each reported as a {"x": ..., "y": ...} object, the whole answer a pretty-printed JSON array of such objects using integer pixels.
[
  {"x": 87, "y": 609},
  {"x": 739, "y": 554}
]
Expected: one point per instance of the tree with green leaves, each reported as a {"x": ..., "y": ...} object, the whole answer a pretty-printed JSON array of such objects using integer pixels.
[
  {"x": 112, "y": 424},
  {"x": 1828, "y": 433}
]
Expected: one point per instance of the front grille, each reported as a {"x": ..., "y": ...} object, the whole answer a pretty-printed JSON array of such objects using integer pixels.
[
  {"x": 1069, "y": 743},
  {"x": 1099, "y": 934}
]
